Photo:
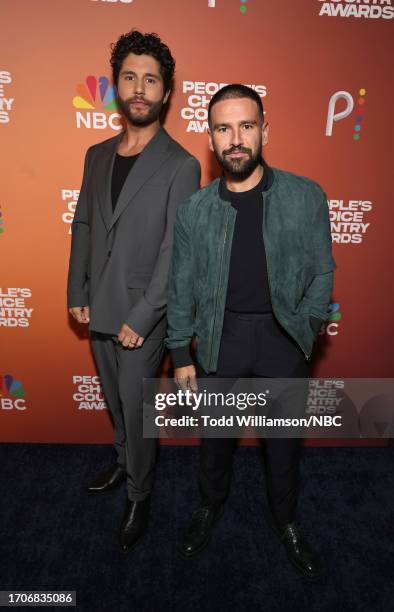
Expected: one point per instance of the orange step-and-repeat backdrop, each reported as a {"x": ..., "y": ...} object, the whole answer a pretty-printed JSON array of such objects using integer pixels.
[{"x": 323, "y": 72}]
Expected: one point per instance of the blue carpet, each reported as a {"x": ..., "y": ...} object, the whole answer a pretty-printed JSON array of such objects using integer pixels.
[{"x": 55, "y": 537}]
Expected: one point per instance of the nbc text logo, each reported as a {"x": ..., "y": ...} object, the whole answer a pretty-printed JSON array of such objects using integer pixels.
[
  {"x": 334, "y": 115},
  {"x": 12, "y": 393},
  {"x": 93, "y": 94},
  {"x": 331, "y": 326}
]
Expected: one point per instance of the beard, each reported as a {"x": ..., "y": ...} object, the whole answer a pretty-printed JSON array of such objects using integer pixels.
[
  {"x": 140, "y": 117},
  {"x": 240, "y": 168}
]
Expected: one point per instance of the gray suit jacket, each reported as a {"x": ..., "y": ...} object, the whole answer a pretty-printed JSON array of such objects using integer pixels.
[{"x": 119, "y": 260}]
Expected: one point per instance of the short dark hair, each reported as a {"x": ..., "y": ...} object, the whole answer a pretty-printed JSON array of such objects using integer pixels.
[
  {"x": 143, "y": 44},
  {"x": 235, "y": 90}
]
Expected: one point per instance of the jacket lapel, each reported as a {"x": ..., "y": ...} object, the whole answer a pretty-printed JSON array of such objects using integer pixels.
[
  {"x": 148, "y": 162},
  {"x": 104, "y": 179}
]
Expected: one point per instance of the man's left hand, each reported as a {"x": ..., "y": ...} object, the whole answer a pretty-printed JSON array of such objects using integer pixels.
[{"x": 129, "y": 338}]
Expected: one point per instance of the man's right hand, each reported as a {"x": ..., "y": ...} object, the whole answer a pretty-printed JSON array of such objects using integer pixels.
[
  {"x": 80, "y": 313},
  {"x": 185, "y": 378}
]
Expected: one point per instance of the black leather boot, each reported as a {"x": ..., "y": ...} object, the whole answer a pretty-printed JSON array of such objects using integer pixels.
[
  {"x": 134, "y": 524},
  {"x": 108, "y": 481},
  {"x": 198, "y": 531},
  {"x": 299, "y": 553}
]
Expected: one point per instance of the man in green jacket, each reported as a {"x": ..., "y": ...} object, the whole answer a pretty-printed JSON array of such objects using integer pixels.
[{"x": 251, "y": 277}]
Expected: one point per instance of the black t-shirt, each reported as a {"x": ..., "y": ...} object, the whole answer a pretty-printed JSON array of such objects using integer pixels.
[
  {"x": 248, "y": 288},
  {"x": 122, "y": 166}
]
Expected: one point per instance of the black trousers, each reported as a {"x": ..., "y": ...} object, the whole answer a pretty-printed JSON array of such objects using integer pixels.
[
  {"x": 255, "y": 345},
  {"x": 122, "y": 372}
]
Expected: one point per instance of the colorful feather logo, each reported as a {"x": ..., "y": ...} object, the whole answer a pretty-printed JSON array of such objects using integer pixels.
[
  {"x": 10, "y": 386},
  {"x": 94, "y": 92},
  {"x": 335, "y": 315}
]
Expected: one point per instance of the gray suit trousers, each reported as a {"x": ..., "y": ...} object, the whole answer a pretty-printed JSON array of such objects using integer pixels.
[{"x": 121, "y": 372}]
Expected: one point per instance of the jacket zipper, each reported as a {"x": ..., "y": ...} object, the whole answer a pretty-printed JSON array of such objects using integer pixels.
[
  {"x": 218, "y": 289},
  {"x": 307, "y": 357}
]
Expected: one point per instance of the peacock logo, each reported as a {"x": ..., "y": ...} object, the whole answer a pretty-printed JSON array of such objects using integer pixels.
[
  {"x": 10, "y": 386},
  {"x": 331, "y": 326},
  {"x": 12, "y": 393},
  {"x": 95, "y": 97},
  {"x": 94, "y": 92},
  {"x": 335, "y": 315}
]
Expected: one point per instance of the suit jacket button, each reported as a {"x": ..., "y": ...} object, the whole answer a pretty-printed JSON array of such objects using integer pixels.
[{"x": 109, "y": 253}]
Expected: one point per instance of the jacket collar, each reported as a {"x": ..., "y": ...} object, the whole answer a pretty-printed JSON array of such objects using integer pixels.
[
  {"x": 148, "y": 162},
  {"x": 220, "y": 185}
]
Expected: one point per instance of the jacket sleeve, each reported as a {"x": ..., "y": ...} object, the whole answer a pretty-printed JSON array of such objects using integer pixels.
[
  {"x": 150, "y": 308},
  {"x": 181, "y": 304},
  {"x": 317, "y": 296},
  {"x": 77, "y": 294}
]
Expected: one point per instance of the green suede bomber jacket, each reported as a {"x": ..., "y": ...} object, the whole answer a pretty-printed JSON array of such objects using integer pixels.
[{"x": 297, "y": 240}]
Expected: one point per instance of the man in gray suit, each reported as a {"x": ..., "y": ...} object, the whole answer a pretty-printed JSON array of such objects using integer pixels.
[{"x": 122, "y": 237}]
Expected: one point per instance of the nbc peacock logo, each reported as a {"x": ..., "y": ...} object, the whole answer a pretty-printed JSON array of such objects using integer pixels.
[
  {"x": 12, "y": 393},
  {"x": 331, "y": 326},
  {"x": 94, "y": 102},
  {"x": 335, "y": 315}
]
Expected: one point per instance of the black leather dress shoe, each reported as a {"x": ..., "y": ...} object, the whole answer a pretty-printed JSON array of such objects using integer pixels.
[
  {"x": 299, "y": 553},
  {"x": 198, "y": 531},
  {"x": 108, "y": 481},
  {"x": 134, "y": 524}
]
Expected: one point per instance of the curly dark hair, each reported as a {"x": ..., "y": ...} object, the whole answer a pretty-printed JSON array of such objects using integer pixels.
[{"x": 138, "y": 43}]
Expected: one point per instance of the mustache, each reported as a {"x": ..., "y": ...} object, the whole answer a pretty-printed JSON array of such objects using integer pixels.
[
  {"x": 237, "y": 150},
  {"x": 136, "y": 99}
]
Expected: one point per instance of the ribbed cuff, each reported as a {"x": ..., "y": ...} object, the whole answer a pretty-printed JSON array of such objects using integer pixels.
[{"x": 181, "y": 357}]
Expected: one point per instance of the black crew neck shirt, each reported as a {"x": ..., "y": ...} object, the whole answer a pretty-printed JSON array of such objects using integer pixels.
[
  {"x": 248, "y": 289},
  {"x": 122, "y": 166}
]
